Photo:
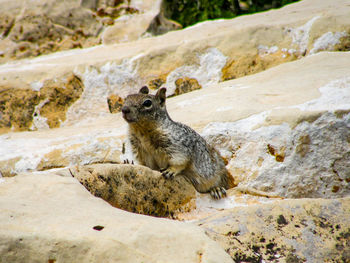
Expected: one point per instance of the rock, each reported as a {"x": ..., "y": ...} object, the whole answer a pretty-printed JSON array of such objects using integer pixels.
[
  {"x": 161, "y": 25},
  {"x": 289, "y": 150},
  {"x": 115, "y": 103},
  {"x": 186, "y": 85},
  {"x": 287, "y": 167},
  {"x": 42, "y": 106},
  {"x": 271, "y": 130},
  {"x": 211, "y": 52},
  {"x": 32, "y": 29},
  {"x": 304, "y": 230},
  {"x": 242, "y": 66},
  {"x": 137, "y": 189},
  {"x": 17, "y": 108},
  {"x": 67, "y": 146},
  {"x": 53, "y": 219},
  {"x": 38, "y": 28},
  {"x": 157, "y": 82},
  {"x": 128, "y": 28}
]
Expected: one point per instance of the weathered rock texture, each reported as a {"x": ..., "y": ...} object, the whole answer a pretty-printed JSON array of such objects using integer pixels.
[
  {"x": 49, "y": 218},
  {"x": 43, "y": 106},
  {"x": 309, "y": 160},
  {"x": 137, "y": 189},
  {"x": 284, "y": 132},
  {"x": 280, "y": 136},
  {"x": 291, "y": 149},
  {"x": 308, "y": 230},
  {"x": 30, "y": 29},
  {"x": 207, "y": 53},
  {"x": 115, "y": 103},
  {"x": 47, "y": 149}
]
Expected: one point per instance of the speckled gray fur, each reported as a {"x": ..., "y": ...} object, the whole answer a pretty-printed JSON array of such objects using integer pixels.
[{"x": 172, "y": 147}]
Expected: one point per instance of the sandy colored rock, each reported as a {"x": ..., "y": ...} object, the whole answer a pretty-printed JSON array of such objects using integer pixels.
[
  {"x": 161, "y": 25},
  {"x": 127, "y": 29},
  {"x": 251, "y": 64},
  {"x": 271, "y": 129},
  {"x": 186, "y": 85},
  {"x": 42, "y": 106},
  {"x": 147, "y": 19},
  {"x": 208, "y": 52},
  {"x": 137, "y": 189},
  {"x": 282, "y": 161},
  {"x": 156, "y": 83},
  {"x": 115, "y": 103},
  {"x": 305, "y": 230},
  {"x": 17, "y": 108},
  {"x": 47, "y": 149},
  {"x": 53, "y": 218},
  {"x": 39, "y": 28},
  {"x": 32, "y": 29}
]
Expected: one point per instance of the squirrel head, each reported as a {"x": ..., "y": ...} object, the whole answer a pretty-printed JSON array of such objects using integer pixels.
[{"x": 143, "y": 107}]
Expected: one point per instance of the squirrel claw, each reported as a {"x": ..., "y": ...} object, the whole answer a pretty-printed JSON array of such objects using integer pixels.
[
  {"x": 167, "y": 174},
  {"x": 218, "y": 193},
  {"x": 126, "y": 161}
]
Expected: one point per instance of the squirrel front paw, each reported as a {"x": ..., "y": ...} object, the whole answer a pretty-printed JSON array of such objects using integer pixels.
[
  {"x": 218, "y": 192},
  {"x": 167, "y": 173}
]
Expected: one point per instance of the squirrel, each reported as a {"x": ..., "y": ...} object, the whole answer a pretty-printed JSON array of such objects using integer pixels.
[{"x": 171, "y": 147}]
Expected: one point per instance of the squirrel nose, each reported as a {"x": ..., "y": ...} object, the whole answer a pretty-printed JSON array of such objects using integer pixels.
[{"x": 125, "y": 109}]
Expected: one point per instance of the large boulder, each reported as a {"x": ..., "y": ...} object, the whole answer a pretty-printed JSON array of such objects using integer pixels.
[
  {"x": 295, "y": 140},
  {"x": 49, "y": 218},
  {"x": 136, "y": 188},
  {"x": 206, "y": 53}
]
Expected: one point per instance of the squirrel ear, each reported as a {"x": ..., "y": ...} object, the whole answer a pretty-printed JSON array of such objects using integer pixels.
[
  {"x": 144, "y": 90},
  {"x": 161, "y": 95}
]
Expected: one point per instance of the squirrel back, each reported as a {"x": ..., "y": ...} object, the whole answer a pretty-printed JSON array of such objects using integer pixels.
[{"x": 171, "y": 147}]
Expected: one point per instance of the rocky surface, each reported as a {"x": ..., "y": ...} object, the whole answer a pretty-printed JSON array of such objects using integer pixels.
[
  {"x": 136, "y": 188},
  {"x": 284, "y": 132},
  {"x": 29, "y": 29},
  {"x": 308, "y": 230},
  {"x": 49, "y": 218},
  {"x": 40, "y": 107},
  {"x": 208, "y": 52},
  {"x": 271, "y": 131}
]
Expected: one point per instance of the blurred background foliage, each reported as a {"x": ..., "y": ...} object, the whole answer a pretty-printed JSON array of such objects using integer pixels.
[{"x": 189, "y": 12}]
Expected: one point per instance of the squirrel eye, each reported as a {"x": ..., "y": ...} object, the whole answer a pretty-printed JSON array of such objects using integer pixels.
[{"x": 147, "y": 103}]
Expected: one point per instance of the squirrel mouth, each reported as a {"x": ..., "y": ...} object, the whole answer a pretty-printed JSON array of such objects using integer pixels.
[{"x": 128, "y": 118}]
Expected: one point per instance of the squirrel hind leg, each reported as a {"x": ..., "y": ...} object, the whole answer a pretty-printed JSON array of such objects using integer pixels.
[{"x": 218, "y": 192}]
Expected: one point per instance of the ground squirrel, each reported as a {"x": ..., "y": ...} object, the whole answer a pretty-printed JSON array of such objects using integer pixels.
[{"x": 172, "y": 147}]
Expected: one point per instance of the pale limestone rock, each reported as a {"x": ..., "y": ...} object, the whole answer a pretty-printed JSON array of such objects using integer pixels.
[
  {"x": 46, "y": 217},
  {"x": 62, "y": 147},
  {"x": 272, "y": 129},
  {"x": 309, "y": 160},
  {"x": 131, "y": 27},
  {"x": 303, "y": 230},
  {"x": 297, "y": 149},
  {"x": 40, "y": 27},
  {"x": 208, "y": 52},
  {"x": 29, "y": 29}
]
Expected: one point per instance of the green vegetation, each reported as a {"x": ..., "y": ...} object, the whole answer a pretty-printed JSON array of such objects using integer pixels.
[{"x": 189, "y": 12}]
